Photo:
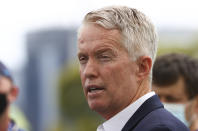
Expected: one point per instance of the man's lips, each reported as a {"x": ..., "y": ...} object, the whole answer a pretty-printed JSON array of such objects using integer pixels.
[{"x": 94, "y": 88}]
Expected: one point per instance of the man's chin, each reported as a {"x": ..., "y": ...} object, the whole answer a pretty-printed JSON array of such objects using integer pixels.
[{"x": 96, "y": 106}]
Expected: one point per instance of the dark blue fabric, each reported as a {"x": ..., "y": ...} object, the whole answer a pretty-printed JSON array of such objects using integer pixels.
[
  {"x": 151, "y": 116},
  {"x": 4, "y": 71}
]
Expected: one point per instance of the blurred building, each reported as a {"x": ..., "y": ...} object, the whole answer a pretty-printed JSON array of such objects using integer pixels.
[{"x": 47, "y": 51}]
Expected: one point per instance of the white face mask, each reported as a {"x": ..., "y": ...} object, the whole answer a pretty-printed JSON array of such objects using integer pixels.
[{"x": 178, "y": 110}]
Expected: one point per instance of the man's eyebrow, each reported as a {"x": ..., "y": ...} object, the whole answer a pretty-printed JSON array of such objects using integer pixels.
[
  {"x": 104, "y": 50},
  {"x": 80, "y": 54}
]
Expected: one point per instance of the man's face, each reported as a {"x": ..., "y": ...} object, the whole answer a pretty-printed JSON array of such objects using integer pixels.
[
  {"x": 174, "y": 93},
  {"x": 5, "y": 85},
  {"x": 107, "y": 73}
]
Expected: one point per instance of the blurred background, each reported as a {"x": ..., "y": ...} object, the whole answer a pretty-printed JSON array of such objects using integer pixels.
[{"x": 38, "y": 44}]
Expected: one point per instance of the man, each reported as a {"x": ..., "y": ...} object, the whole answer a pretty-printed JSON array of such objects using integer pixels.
[
  {"x": 116, "y": 50},
  {"x": 8, "y": 94},
  {"x": 175, "y": 80}
]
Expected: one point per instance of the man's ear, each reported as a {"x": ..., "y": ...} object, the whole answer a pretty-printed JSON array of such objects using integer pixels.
[
  {"x": 144, "y": 67},
  {"x": 13, "y": 93},
  {"x": 196, "y": 104}
]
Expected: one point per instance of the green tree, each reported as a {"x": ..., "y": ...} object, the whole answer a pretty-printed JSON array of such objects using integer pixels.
[{"x": 74, "y": 110}]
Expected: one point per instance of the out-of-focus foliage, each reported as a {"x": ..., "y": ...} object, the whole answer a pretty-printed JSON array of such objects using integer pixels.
[
  {"x": 74, "y": 110},
  {"x": 188, "y": 50}
]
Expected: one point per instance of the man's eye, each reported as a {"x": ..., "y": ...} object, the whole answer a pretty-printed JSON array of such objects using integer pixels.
[
  {"x": 104, "y": 57},
  {"x": 171, "y": 99},
  {"x": 82, "y": 59}
]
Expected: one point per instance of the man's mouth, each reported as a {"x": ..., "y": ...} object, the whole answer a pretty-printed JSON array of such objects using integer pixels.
[{"x": 94, "y": 89}]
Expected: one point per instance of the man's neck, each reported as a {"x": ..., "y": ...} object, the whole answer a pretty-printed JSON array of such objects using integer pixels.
[
  {"x": 142, "y": 90},
  {"x": 4, "y": 121}
]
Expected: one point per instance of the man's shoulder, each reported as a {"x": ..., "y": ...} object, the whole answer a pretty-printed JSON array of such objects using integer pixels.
[
  {"x": 151, "y": 116},
  {"x": 160, "y": 119}
]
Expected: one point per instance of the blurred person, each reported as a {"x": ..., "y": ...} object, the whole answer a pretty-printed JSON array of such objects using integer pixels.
[
  {"x": 116, "y": 49},
  {"x": 175, "y": 80},
  {"x": 8, "y": 94}
]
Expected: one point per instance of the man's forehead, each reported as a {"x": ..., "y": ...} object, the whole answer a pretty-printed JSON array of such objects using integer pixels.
[
  {"x": 5, "y": 83},
  {"x": 177, "y": 88},
  {"x": 93, "y": 31},
  {"x": 3, "y": 78}
]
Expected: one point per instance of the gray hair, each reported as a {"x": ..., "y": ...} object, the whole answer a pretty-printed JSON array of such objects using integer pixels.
[{"x": 138, "y": 33}]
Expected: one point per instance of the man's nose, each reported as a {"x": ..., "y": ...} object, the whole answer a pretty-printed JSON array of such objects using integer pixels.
[{"x": 90, "y": 70}]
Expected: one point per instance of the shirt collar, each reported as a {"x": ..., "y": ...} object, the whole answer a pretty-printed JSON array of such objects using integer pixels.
[{"x": 117, "y": 122}]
